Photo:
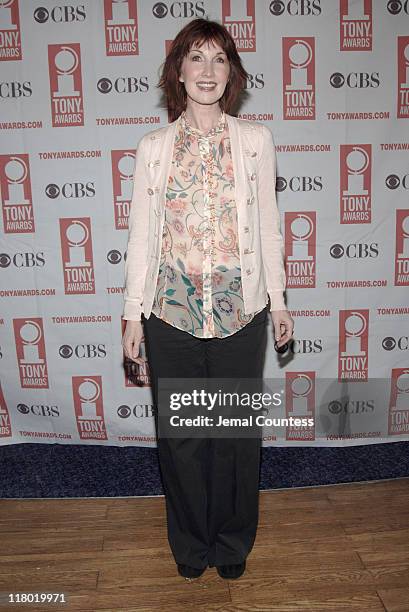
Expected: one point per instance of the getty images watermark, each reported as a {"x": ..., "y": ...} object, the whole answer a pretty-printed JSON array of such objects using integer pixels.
[
  {"x": 222, "y": 399},
  {"x": 221, "y": 407},
  {"x": 299, "y": 408}
]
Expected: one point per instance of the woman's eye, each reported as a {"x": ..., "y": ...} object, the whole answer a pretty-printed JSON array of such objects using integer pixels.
[{"x": 195, "y": 57}]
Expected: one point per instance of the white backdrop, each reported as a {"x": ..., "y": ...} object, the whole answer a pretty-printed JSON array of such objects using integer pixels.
[{"x": 331, "y": 80}]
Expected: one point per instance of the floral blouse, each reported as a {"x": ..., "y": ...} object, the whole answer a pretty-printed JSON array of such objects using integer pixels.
[{"x": 199, "y": 288}]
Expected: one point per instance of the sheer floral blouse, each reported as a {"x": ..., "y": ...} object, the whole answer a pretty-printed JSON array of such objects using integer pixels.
[{"x": 199, "y": 288}]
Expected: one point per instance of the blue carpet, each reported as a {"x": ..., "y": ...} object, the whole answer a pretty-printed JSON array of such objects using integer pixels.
[{"x": 57, "y": 470}]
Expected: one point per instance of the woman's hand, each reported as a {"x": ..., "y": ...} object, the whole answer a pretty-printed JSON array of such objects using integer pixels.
[
  {"x": 131, "y": 341},
  {"x": 283, "y": 326}
]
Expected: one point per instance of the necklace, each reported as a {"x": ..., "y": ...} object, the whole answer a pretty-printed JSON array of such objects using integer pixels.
[{"x": 219, "y": 127}]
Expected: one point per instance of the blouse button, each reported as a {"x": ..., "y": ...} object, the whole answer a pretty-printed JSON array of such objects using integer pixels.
[
  {"x": 253, "y": 176},
  {"x": 150, "y": 164},
  {"x": 254, "y": 154},
  {"x": 246, "y": 229},
  {"x": 248, "y": 271},
  {"x": 250, "y": 200},
  {"x": 150, "y": 191}
]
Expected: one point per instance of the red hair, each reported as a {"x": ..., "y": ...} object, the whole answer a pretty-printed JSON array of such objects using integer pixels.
[{"x": 200, "y": 31}]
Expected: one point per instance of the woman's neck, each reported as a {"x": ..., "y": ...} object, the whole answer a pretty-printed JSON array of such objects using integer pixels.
[{"x": 203, "y": 120}]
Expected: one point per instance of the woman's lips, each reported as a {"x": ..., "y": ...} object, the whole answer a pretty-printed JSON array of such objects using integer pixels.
[{"x": 206, "y": 87}]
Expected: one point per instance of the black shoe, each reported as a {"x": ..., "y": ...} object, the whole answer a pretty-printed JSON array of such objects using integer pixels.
[
  {"x": 189, "y": 572},
  {"x": 231, "y": 572}
]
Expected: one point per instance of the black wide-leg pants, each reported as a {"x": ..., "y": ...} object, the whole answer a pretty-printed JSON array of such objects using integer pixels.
[{"x": 211, "y": 484}]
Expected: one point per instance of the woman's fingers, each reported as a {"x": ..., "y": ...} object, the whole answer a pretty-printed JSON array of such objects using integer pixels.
[
  {"x": 131, "y": 345},
  {"x": 285, "y": 337},
  {"x": 283, "y": 328},
  {"x": 132, "y": 351},
  {"x": 138, "y": 360},
  {"x": 133, "y": 354}
]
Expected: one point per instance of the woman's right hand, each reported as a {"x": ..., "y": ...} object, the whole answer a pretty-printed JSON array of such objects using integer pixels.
[{"x": 131, "y": 341}]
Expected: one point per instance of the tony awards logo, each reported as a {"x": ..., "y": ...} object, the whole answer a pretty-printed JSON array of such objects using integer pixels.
[
  {"x": 300, "y": 403},
  {"x": 403, "y": 77},
  {"x": 239, "y": 18},
  {"x": 10, "y": 35},
  {"x": 16, "y": 197},
  {"x": 30, "y": 348},
  {"x": 355, "y": 25},
  {"x": 298, "y": 78},
  {"x": 88, "y": 405},
  {"x": 300, "y": 248},
  {"x": 121, "y": 27},
  {"x": 402, "y": 249},
  {"x": 355, "y": 184},
  {"x": 76, "y": 253},
  {"x": 123, "y": 163},
  {"x": 353, "y": 345},
  {"x": 5, "y": 424},
  {"x": 398, "y": 422},
  {"x": 67, "y": 105}
]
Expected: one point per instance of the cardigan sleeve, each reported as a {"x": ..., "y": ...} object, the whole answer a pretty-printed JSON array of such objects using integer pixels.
[
  {"x": 138, "y": 235},
  {"x": 272, "y": 242}
]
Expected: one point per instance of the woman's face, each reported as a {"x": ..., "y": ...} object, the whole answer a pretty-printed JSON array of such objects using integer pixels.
[{"x": 205, "y": 73}]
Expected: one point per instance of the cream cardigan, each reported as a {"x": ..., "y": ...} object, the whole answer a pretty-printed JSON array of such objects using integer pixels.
[{"x": 261, "y": 243}]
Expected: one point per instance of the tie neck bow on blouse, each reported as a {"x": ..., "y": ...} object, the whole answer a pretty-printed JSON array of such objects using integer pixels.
[{"x": 187, "y": 127}]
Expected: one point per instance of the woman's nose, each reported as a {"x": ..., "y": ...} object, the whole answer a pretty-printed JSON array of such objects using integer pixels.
[{"x": 208, "y": 69}]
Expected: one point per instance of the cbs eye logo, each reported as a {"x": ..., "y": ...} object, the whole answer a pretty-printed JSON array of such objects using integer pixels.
[
  {"x": 394, "y": 7},
  {"x": 393, "y": 181},
  {"x": 277, "y": 7},
  {"x": 5, "y": 260},
  {"x": 124, "y": 412},
  {"x": 104, "y": 86},
  {"x": 337, "y": 80},
  {"x": 389, "y": 343},
  {"x": 23, "y": 408},
  {"x": 114, "y": 256},
  {"x": 337, "y": 251},
  {"x": 335, "y": 407},
  {"x": 41, "y": 15},
  {"x": 160, "y": 10},
  {"x": 52, "y": 191}
]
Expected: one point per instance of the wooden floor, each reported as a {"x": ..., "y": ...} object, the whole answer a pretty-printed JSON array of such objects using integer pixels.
[{"x": 342, "y": 547}]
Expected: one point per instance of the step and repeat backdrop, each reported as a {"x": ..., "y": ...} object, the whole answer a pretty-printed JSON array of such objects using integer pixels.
[{"x": 78, "y": 91}]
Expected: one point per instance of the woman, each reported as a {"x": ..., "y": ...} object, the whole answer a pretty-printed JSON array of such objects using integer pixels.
[{"x": 204, "y": 266}]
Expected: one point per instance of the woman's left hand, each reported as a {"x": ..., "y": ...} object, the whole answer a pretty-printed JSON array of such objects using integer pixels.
[{"x": 283, "y": 325}]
